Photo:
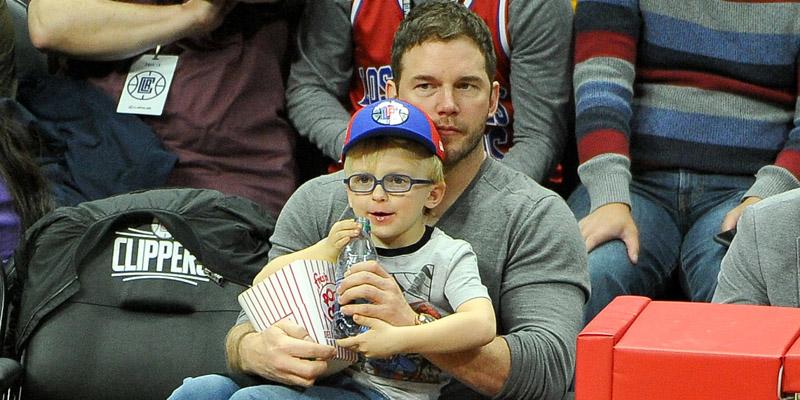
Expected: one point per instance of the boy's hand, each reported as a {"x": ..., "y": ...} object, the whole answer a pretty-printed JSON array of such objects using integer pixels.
[
  {"x": 380, "y": 341},
  {"x": 339, "y": 236}
]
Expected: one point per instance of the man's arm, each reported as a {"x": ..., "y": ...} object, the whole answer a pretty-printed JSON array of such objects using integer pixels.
[
  {"x": 320, "y": 75},
  {"x": 544, "y": 286},
  {"x": 112, "y": 30},
  {"x": 741, "y": 280},
  {"x": 606, "y": 37},
  {"x": 541, "y": 69}
]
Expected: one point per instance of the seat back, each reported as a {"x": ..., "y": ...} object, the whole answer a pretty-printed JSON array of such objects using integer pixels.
[{"x": 114, "y": 306}]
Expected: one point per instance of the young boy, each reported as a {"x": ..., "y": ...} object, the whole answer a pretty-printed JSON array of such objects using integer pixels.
[{"x": 393, "y": 167}]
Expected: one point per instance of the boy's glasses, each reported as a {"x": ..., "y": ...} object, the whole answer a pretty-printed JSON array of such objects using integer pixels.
[{"x": 391, "y": 183}]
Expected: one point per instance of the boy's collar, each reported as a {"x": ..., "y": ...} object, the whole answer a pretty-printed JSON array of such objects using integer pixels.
[{"x": 426, "y": 236}]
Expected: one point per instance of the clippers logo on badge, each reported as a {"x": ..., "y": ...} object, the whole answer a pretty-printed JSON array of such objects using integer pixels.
[
  {"x": 147, "y": 85},
  {"x": 390, "y": 113}
]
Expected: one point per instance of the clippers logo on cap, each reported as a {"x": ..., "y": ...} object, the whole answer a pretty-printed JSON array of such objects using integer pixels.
[{"x": 390, "y": 113}]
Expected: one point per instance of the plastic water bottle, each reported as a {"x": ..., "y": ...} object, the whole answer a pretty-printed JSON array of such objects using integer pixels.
[{"x": 359, "y": 249}]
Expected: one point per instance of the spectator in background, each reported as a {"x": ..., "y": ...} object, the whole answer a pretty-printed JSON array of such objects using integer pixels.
[
  {"x": 685, "y": 116},
  {"x": 24, "y": 195},
  {"x": 223, "y": 113},
  {"x": 761, "y": 266},
  {"x": 343, "y": 64}
]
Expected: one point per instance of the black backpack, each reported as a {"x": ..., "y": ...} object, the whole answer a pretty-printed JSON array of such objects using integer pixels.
[{"x": 145, "y": 277}]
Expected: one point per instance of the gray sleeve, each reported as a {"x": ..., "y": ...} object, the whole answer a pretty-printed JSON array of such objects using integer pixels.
[
  {"x": 541, "y": 65},
  {"x": 607, "y": 178},
  {"x": 544, "y": 288},
  {"x": 772, "y": 180},
  {"x": 305, "y": 219},
  {"x": 740, "y": 278},
  {"x": 320, "y": 75},
  {"x": 463, "y": 280}
]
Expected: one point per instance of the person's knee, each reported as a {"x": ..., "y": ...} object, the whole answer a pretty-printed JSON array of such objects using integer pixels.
[
  {"x": 211, "y": 387},
  {"x": 264, "y": 392},
  {"x": 609, "y": 262},
  {"x": 701, "y": 287}
]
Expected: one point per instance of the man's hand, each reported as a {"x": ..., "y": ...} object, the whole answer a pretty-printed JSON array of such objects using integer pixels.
[
  {"x": 732, "y": 217},
  {"x": 208, "y": 14},
  {"x": 284, "y": 353},
  {"x": 368, "y": 280},
  {"x": 380, "y": 341},
  {"x": 609, "y": 222}
]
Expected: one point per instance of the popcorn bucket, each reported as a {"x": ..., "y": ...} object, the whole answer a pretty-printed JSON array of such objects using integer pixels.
[{"x": 304, "y": 292}]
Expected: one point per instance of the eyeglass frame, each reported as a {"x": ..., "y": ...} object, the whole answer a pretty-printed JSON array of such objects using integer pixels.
[{"x": 376, "y": 182}]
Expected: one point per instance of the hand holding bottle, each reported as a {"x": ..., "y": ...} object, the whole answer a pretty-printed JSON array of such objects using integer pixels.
[{"x": 341, "y": 233}]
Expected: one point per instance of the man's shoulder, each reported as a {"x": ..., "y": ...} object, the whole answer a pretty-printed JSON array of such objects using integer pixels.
[
  {"x": 329, "y": 186},
  {"x": 500, "y": 181},
  {"x": 498, "y": 194},
  {"x": 325, "y": 182},
  {"x": 779, "y": 208}
]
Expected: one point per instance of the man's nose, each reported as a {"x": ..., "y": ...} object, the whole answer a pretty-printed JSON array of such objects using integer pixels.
[{"x": 447, "y": 103}]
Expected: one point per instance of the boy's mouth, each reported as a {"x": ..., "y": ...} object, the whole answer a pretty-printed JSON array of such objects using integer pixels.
[{"x": 380, "y": 216}]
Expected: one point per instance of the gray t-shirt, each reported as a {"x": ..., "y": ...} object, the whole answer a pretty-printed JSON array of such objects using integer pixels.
[
  {"x": 762, "y": 265},
  {"x": 441, "y": 272},
  {"x": 531, "y": 258}
]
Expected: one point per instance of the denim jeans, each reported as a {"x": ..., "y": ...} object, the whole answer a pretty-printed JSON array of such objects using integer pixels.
[
  {"x": 218, "y": 387},
  {"x": 677, "y": 213}
]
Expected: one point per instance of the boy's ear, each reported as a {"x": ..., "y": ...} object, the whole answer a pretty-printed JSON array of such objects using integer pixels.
[{"x": 436, "y": 195}]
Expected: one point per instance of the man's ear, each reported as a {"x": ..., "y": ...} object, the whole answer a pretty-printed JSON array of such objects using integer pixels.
[
  {"x": 436, "y": 195},
  {"x": 494, "y": 98},
  {"x": 391, "y": 89}
]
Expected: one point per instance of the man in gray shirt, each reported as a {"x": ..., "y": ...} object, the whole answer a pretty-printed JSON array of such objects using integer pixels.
[
  {"x": 530, "y": 253},
  {"x": 762, "y": 266}
]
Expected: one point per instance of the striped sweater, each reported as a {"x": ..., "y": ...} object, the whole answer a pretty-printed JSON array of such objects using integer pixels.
[{"x": 704, "y": 85}]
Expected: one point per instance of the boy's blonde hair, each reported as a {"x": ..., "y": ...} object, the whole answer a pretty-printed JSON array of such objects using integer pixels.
[{"x": 370, "y": 151}]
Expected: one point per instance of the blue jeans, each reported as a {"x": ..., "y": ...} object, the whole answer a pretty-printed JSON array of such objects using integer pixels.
[
  {"x": 677, "y": 214},
  {"x": 218, "y": 387}
]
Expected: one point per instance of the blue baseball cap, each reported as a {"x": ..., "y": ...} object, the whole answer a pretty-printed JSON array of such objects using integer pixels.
[{"x": 395, "y": 118}]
